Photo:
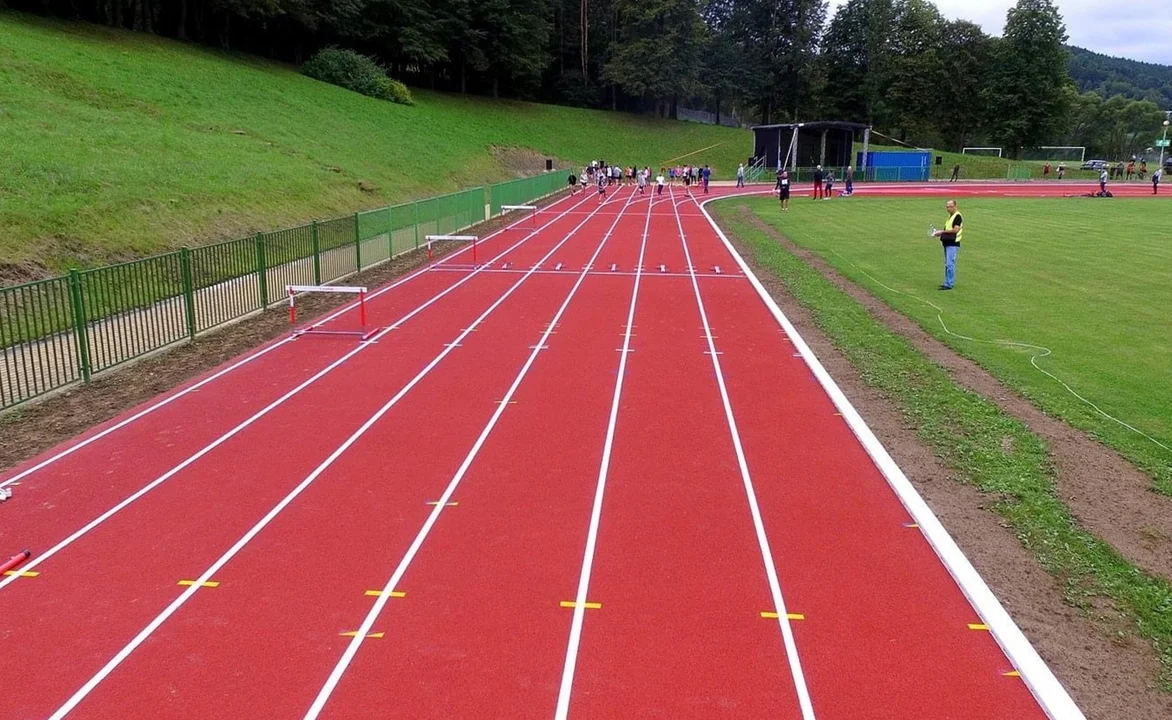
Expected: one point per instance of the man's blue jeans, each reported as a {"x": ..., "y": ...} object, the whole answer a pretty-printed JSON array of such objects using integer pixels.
[{"x": 950, "y": 264}]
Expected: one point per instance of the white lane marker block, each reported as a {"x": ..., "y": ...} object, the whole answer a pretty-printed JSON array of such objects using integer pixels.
[
  {"x": 716, "y": 269},
  {"x": 662, "y": 268},
  {"x": 613, "y": 267},
  {"x": 557, "y": 267}
]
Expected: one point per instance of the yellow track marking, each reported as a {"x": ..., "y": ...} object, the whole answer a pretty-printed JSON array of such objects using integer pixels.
[
  {"x": 588, "y": 606},
  {"x": 788, "y": 616},
  {"x": 378, "y": 593},
  {"x": 21, "y": 573},
  {"x": 354, "y": 633},
  {"x": 978, "y": 626},
  {"x": 207, "y": 584}
]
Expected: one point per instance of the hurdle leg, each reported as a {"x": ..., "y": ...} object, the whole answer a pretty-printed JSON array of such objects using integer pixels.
[
  {"x": 292, "y": 313},
  {"x": 362, "y": 311}
]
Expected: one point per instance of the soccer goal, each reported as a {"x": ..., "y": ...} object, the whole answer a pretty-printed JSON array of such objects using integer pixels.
[
  {"x": 1057, "y": 153},
  {"x": 985, "y": 151},
  {"x": 337, "y": 324}
]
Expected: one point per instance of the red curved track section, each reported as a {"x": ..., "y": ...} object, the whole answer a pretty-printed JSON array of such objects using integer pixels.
[{"x": 604, "y": 411}]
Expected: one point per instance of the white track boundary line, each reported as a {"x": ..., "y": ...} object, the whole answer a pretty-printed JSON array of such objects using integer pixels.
[
  {"x": 1046, "y": 688},
  {"x": 188, "y": 390},
  {"x": 575, "y": 639},
  {"x": 43, "y": 557},
  {"x": 343, "y": 663},
  {"x": 787, "y": 634},
  {"x": 223, "y": 560}
]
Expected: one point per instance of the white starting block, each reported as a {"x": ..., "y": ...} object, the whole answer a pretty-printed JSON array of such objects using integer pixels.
[
  {"x": 454, "y": 238},
  {"x": 5, "y": 493}
]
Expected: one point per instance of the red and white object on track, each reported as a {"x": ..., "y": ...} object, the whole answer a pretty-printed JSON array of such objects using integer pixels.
[
  {"x": 319, "y": 328},
  {"x": 457, "y": 238},
  {"x": 15, "y": 561}
]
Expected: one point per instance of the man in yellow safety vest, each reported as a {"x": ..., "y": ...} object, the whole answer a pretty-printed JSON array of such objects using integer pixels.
[{"x": 950, "y": 239}]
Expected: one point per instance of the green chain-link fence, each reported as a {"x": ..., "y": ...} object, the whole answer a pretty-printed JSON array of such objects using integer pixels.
[{"x": 62, "y": 330}]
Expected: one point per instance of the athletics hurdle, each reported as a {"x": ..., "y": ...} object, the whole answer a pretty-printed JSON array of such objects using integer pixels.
[
  {"x": 456, "y": 238},
  {"x": 530, "y": 208},
  {"x": 315, "y": 329}
]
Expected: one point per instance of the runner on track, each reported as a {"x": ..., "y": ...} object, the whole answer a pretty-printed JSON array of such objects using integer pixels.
[
  {"x": 783, "y": 188},
  {"x": 601, "y": 187}
]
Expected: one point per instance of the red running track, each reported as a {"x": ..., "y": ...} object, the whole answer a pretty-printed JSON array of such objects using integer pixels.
[{"x": 683, "y": 495}]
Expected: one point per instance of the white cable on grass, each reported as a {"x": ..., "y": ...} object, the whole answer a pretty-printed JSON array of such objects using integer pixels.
[{"x": 1042, "y": 352}]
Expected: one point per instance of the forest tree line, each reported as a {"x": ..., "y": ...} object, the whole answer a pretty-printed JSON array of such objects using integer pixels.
[{"x": 897, "y": 64}]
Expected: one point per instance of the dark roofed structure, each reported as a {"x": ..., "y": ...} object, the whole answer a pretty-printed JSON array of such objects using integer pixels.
[{"x": 805, "y": 144}]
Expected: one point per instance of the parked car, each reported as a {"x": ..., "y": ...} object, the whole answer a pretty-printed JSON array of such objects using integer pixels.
[
  {"x": 1095, "y": 165},
  {"x": 1168, "y": 164}
]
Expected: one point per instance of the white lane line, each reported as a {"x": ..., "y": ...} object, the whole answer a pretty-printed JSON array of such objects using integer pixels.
[
  {"x": 791, "y": 648},
  {"x": 186, "y": 391},
  {"x": 42, "y": 557},
  {"x": 1038, "y": 676},
  {"x": 223, "y": 560},
  {"x": 335, "y": 677},
  {"x": 575, "y": 640}
]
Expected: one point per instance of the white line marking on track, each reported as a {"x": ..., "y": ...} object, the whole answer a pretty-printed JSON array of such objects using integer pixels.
[
  {"x": 791, "y": 648},
  {"x": 171, "y": 609},
  {"x": 41, "y": 558},
  {"x": 196, "y": 387},
  {"x": 1046, "y": 689},
  {"x": 575, "y": 639},
  {"x": 352, "y": 649}
]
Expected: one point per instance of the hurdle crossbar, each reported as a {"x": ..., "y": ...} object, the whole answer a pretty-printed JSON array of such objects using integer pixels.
[
  {"x": 360, "y": 291},
  {"x": 531, "y": 208},
  {"x": 457, "y": 238}
]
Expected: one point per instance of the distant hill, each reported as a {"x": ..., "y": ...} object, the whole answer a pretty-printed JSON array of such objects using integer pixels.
[{"x": 1110, "y": 76}]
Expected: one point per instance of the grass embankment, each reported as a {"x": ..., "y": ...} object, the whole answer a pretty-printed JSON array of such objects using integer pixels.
[
  {"x": 986, "y": 447},
  {"x": 1091, "y": 280},
  {"x": 119, "y": 144}
]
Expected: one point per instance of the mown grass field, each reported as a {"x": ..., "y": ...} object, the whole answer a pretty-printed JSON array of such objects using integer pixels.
[
  {"x": 1090, "y": 280},
  {"x": 969, "y": 432},
  {"x": 118, "y": 144}
]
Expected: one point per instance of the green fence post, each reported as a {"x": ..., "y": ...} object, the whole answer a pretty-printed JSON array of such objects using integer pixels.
[
  {"x": 262, "y": 272},
  {"x": 316, "y": 255},
  {"x": 357, "y": 245},
  {"x": 79, "y": 324},
  {"x": 415, "y": 207},
  {"x": 390, "y": 234},
  {"x": 188, "y": 289}
]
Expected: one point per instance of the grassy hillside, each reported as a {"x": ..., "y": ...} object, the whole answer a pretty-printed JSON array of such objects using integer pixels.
[{"x": 118, "y": 144}]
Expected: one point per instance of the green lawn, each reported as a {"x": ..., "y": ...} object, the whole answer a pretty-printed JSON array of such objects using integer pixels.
[
  {"x": 1090, "y": 280},
  {"x": 118, "y": 144},
  {"x": 969, "y": 433}
]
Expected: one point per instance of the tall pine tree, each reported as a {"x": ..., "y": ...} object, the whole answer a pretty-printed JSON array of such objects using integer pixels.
[{"x": 1031, "y": 91}]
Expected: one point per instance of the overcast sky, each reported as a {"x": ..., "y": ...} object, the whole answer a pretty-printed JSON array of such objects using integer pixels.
[{"x": 1136, "y": 29}]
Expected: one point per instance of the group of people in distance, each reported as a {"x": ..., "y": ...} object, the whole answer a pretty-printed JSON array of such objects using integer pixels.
[
  {"x": 602, "y": 175},
  {"x": 823, "y": 184}
]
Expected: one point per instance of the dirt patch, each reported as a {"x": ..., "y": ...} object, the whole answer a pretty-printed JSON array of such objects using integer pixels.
[
  {"x": 33, "y": 428},
  {"x": 1109, "y": 674},
  {"x": 522, "y": 162},
  {"x": 1107, "y": 494}
]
